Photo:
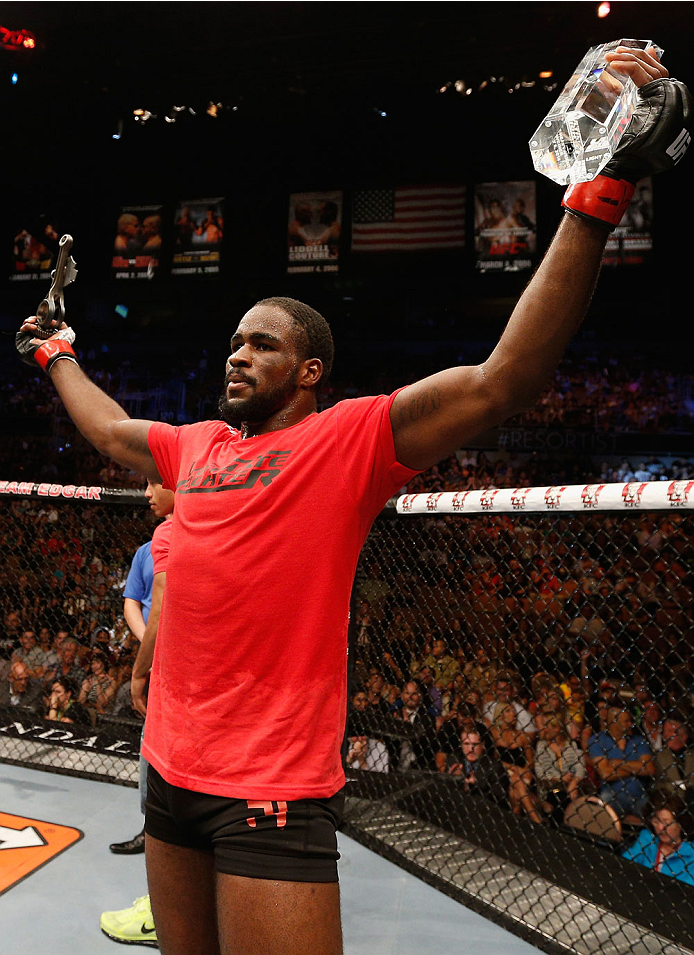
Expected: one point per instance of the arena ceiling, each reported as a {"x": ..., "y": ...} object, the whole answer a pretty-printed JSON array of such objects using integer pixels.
[{"x": 107, "y": 59}]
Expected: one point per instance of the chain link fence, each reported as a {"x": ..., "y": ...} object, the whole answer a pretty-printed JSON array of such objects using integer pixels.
[
  {"x": 521, "y": 722},
  {"x": 65, "y": 649},
  {"x": 520, "y": 730}
]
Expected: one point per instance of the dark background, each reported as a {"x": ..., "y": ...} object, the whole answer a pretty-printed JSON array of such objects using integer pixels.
[{"x": 309, "y": 81}]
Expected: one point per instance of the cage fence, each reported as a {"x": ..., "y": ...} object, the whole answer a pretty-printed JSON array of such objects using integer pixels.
[
  {"x": 66, "y": 552},
  {"x": 521, "y": 692},
  {"x": 521, "y": 701}
]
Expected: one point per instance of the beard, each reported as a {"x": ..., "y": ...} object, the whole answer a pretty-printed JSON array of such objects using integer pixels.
[{"x": 256, "y": 408}]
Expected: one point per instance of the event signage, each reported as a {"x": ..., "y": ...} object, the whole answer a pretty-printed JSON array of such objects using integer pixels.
[
  {"x": 137, "y": 243},
  {"x": 111, "y": 740},
  {"x": 505, "y": 226},
  {"x": 198, "y": 234},
  {"x": 34, "y": 251},
  {"x": 313, "y": 231},
  {"x": 631, "y": 243},
  {"x": 114, "y": 495}
]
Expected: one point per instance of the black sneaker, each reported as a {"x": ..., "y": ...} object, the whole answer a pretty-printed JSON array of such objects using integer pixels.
[{"x": 131, "y": 847}]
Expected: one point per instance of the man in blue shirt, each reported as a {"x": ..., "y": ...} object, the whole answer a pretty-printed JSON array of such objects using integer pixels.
[
  {"x": 138, "y": 590},
  {"x": 137, "y": 603},
  {"x": 623, "y": 761}
]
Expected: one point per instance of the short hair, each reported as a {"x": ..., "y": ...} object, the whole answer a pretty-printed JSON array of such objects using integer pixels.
[
  {"x": 472, "y": 732},
  {"x": 318, "y": 339}
]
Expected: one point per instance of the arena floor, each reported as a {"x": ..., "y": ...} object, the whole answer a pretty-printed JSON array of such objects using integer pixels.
[{"x": 56, "y": 908}]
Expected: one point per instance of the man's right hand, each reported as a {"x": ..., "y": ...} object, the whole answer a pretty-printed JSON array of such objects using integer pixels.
[{"x": 44, "y": 352}]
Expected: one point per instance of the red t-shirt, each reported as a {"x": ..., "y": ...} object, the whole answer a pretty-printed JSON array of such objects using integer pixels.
[
  {"x": 161, "y": 541},
  {"x": 248, "y": 690}
]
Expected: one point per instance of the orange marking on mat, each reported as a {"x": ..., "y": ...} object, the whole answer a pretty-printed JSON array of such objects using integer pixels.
[{"x": 27, "y": 844}]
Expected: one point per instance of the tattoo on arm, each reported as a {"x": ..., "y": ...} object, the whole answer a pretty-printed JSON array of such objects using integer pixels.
[{"x": 419, "y": 407}]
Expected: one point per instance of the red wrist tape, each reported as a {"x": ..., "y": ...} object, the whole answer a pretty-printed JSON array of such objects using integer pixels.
[
  {"x": 51, "y": 350},
  {"x": 602, "y": 198}
]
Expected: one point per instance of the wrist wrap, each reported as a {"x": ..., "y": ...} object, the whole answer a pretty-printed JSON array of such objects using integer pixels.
[
  {"x": 51, "y": 351},
  {"x": 603, "y": 200}
]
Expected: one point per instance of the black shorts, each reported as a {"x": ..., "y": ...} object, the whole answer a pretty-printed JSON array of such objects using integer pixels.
[{"x": 286, "y": 841}]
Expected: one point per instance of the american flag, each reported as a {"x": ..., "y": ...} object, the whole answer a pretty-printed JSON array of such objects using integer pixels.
[{"x": 408, "y": 219}]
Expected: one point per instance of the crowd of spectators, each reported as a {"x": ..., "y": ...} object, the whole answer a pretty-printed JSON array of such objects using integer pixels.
[
  {"x": 532, "y": 662},
  {"x": 65, "y": 649},
  {"x": 595, "y": 392},
  {"x": 477, "y": 471},
  {"x": 545, "y": 661}
]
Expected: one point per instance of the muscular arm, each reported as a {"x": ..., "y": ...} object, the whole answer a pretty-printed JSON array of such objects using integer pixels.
[
  {"x": 145, "y": 653},
  {"x": 433, "y": 417}
]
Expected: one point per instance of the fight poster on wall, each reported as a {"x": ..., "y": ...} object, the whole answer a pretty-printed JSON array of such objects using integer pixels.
[
  {"x": 631, "y": 243},
  {"x": 313, "y": 231},
  {"x": 198, "y": 234},
  {"x": 34, "y": 250},
  {"x": 505, "y": 226},
  {"x": 137, "y": 243}
]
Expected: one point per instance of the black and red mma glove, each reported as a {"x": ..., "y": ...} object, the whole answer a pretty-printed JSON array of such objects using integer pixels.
[
  {"x": 657, "y": 137},
  {"x": 45, "y": 354}
]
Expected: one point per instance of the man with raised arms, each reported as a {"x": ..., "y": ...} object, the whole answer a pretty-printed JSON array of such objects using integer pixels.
[{"x": 247, "y": 700}]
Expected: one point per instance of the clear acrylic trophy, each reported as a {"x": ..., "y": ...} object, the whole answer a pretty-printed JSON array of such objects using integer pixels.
[{"x": 582, "y": 130}]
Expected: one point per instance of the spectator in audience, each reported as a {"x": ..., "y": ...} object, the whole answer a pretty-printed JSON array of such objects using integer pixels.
[
  {"x": 442, "y": 665},
  {"x": 68, "y": 666},
  {"x": 20, "y": 690},
  {"x": 9, "y": 638},
  {"x": 479, "y": 771},
  {"x": 420, "y": 752},
  {"x": 378, "y": 694},
  {"x": 651, "y": 725},
  {"x": 431, "y": 694},
  {"x": 575, "y": 704},
  {"x": 606, "y": 693},
  {"x": 364, "y": 752},
  {"x": 454, "y": 695},
  {"x": 559, "y": 766},
  {"x": 63, "y": 706},
  {"x": 480, "y": 673},
  {"x": 99, "y": 689},
  {"x": 662, "y": 846},
  {"x": 504, "y": 694},
  {"x": 472, "y": 698},
  {"x": 101, "y": 641},
  {"x": 550, "y": 704},
  {"x": 462, "y": 720},
  {"x": 674, "y": 763},
  {"x": 29, "y": 653},
  {"x": 363, "y": 622},
  {"x": 514, "y": 749},
  {"x": 50, "y": 663},
  {"x": 622, "y": 760},
  {"x": 122, "y": 704}
]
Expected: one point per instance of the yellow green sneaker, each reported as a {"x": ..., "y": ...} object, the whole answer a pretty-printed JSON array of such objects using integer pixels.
[{"x": 133, "y": 926}]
